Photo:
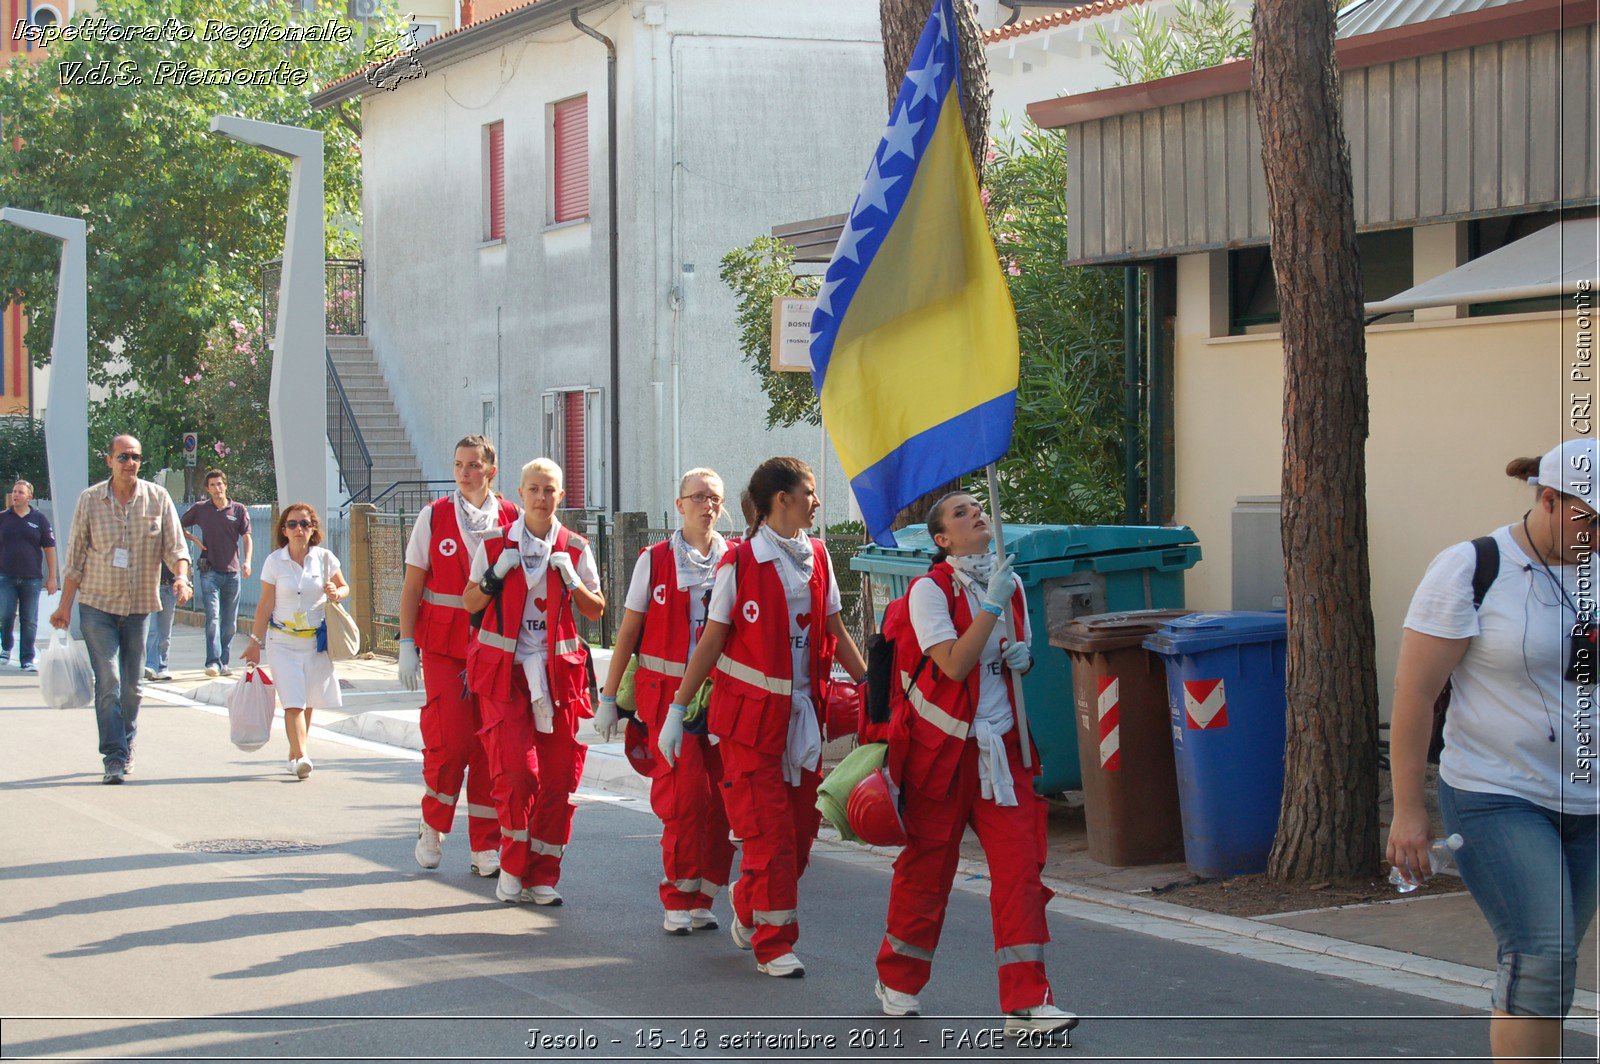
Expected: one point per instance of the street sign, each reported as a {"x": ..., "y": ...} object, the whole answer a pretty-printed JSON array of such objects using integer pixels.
[
  {"x": 791, "y": 334},
  {"x": 191, "y": 448}
]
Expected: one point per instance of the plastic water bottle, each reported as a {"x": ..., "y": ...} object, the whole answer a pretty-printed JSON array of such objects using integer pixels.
[{"x": 1441, "y": 858}]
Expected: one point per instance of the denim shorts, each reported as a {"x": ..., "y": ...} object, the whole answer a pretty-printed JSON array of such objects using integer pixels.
[{"x": 1533, "y": 872}]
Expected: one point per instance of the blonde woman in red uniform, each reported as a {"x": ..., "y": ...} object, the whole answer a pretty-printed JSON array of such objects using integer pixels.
[
  {"x": 958, "y": 761},
  {"x": 667, "y": 602},
  {"x": 434, "y": 635},
  {"x": 772, "y": 632},
  {"x": 530, "y": 672}
]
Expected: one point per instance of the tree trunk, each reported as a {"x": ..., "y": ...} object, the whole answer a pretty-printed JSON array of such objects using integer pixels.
[
  {"x": 1328, "y": 825},
  {"x": 902, "y": 22}
]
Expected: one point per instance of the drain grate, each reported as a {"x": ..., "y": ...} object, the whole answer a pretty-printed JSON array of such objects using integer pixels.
[{"x": 248, "y": 846}]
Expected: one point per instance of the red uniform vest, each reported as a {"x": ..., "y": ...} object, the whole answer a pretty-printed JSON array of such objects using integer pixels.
[
  {"x": 664, "y": 643},
  {"x": 442, "y": 626},
  {"x": 929, "y": 734},
  {"x": 491, "y": 656},
  {"x": 750, "y": 694}
]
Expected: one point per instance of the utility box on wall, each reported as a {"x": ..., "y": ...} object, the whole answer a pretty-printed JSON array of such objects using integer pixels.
[{"x": 1258, "y": 553}]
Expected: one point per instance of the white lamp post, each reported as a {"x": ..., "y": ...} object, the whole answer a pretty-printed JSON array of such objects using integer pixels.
[{"x": 298, "y": 400}]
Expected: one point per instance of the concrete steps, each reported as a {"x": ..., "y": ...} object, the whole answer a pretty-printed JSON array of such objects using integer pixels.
[{"x": 394, "y": 458}]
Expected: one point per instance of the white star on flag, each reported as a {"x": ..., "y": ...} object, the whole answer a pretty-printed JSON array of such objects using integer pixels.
[
  {"x": 876, "y": 191},
  {"x": 926, "y": 80},
  {"x": 825, "y": 296},
  {"x": 938, "y": 13},
  {"x": 897, "y": 139},
  {"x": 848, "y": 239}
]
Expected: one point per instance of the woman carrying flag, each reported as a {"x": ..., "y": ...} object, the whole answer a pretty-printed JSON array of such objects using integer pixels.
[
  {"x": 772, "y": 630},
  {"x": 666, "y": 611},
  {"x": 956, "y": 755}
]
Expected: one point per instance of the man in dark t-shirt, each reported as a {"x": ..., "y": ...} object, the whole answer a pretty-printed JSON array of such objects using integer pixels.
[
  {"x": 225, "y": 551},
  {"x": 27, "y": 551}
]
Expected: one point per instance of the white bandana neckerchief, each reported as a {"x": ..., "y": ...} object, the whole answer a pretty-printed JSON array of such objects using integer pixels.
[
  {"x": 977, "y": 568},
  {"x": 535, "y": 551},
  {"x": 475, "y": 522},
  {"x": 795, "y": 558},
  {"x": 696, "y": 569}
]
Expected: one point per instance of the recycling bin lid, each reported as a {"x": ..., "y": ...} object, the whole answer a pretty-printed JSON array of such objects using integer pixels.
[
  {"x": 1101, "y": 632},
  {"x": 1206, "y": 631},
  {"x": 1042, "y": 543}
]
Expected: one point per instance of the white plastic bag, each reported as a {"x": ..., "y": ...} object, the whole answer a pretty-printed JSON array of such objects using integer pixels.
[
  {"x": 66, "y": 680},
  {"x": 251, "y": 705}
]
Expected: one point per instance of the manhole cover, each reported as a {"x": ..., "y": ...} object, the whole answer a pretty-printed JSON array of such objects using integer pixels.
[{"x": 248, "y": 846}]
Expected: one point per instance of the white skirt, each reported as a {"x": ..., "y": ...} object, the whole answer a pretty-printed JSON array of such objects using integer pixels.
[{"x": 303, "y": 675}]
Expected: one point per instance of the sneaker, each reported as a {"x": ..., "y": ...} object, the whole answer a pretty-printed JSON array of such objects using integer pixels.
[
  {"x": 485, "y": 862},
  {"x": 294, "y": 766},
  {"x": 213, "y": 671},
  {"x": 542, "y": 895},
  {"x": 741, "y": 934},
  {"x": 225, "y": 670},
  {"x": 114, "y": 773},
  {"x": 703, "y": 919},
  {"x": 303, "y": 767},
  {"x": 163, "y": 676},
  {"x": 509, "y": 888},
  {"x": 127, "y": 765},
  {"x": 895, "y": 1003},
  {"x": 677, "y": 922},
  {"x": 32, "y": 666},
  {"x": 149, "y": 673},
  {"x": 430, "y": 847},
  {"x": 787, "y": 966},
  {"x": 1044, "y": 1017}
]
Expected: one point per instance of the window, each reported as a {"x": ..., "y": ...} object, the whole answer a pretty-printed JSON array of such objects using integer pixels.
[
  {"x": 494, "y": 173},
  {"x": 1253, "y": 289},
  {"x": 569, "y": 160},
  {"x": 571, "y": 425},
  {"x": 44, "y": 15},
  {"x": 1491, "y": 234},
  {"x": 423, "y": 32}
]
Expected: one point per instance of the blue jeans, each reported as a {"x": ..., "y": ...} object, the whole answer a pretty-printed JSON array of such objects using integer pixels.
[
  {"x": 116, "y": 650},
  {"x": 1533, "y": 872},
  {"x": 159, "y": 641},
  {"x": 219, "y": 597},
  {"x": 19, "y": 596}
]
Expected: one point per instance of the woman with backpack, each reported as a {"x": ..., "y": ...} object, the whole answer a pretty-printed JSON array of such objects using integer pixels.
[
  {"x": 773, "y": 628},
  {"x": 955, "y": 753},
  {"x": 666, "y": 607},
  {"x": 1517, "y": 775}
]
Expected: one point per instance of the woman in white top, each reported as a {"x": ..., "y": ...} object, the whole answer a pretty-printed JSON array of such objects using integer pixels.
[
  {"x": 298, "y": 581},
  {"x": 1517, "y": 775}
]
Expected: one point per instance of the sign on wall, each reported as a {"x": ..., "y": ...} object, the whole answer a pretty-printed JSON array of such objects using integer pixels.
[{"x": 791, "y": 334}]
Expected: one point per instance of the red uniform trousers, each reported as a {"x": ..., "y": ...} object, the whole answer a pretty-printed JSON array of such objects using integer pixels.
[
  {"x": 535, "y": 774},
  {"x": 695, "y": 852},
  {"x": 451, "y": 751},
  {"x": 776, "y": 825},
  {"x": 1013, "y": 839}
]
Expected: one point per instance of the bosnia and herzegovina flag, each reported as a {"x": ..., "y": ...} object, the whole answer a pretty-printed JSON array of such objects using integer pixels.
[{"x": 914, "y": 341}]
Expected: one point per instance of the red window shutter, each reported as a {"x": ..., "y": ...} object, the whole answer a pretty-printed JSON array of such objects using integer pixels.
[
  {"x": 497, "y": 181},
  {"x": 573, "y": 423},
  {"x": 571, "y": 170}
]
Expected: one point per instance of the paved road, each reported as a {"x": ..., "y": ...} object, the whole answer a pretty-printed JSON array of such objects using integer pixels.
[{"x": 346, "y": 949}]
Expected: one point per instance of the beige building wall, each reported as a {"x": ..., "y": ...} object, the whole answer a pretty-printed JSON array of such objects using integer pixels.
[{"x": 1452, "y": 401}]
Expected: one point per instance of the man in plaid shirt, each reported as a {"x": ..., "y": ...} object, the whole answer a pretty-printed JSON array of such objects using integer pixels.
[{"x": 122, "y": 530}]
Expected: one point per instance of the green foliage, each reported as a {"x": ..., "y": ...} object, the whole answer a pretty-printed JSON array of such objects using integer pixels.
[
  {"x": 758, "y": 273},
  {"x": 228, "y": 404},
  {"x": 22, "y": 454},
  {"x": 179, "y": 220},
  {"x": 1200, "y": 33}
]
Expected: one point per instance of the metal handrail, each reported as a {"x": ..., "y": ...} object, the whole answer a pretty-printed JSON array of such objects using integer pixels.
[
  {"x": 401, "y": 485},
  {"x": 347, "y": 416}
]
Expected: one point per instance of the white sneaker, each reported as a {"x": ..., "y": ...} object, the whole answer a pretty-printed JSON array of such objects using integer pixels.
[
  {"x": 1044, "y": 1017},
  {"x": 149, "y": 674},
  {"x": 895, "y": 1003},
  {"x": 703, "y": 919},
  {"x": 542, "y": 895},
  {"x": 509, "y": 888},
  {"x": 741, "y": 934},
  {"x": 225, "y": 670},
  {"x": 677, "y": 922},
  {"x": 430, "y": 847},
  {"x": 303, "y": 767},
  {"x": 486, "y": 862},
  {"x": 787, "y": 966},
  {"x": 213, "y": 671},
  {"x": 294, "y": 766}
]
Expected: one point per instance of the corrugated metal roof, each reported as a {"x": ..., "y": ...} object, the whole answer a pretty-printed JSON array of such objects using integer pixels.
[{"x": 1370, "y": 16}]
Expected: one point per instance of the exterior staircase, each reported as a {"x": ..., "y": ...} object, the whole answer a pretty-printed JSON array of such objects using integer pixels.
[{"x": 394, "y": 458}]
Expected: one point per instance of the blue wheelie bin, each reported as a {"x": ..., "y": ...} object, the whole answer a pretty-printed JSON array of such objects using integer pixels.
[
  {"x": 1067, "y": 571},
  {"x": 1225, "y": 692}
]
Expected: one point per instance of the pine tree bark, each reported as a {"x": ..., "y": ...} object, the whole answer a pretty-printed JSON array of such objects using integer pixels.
[{"x": 1328, "y": 825}]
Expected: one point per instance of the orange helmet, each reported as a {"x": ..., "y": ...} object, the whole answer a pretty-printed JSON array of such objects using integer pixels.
[
  {"x": 641, "y": 753},
  {"x": 874, "y": 813}
]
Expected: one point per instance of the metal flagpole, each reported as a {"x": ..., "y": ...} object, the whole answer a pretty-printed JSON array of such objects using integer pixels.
[
  {"x": 1011, "y": 621},
  {"x": 822, "y": 483}
]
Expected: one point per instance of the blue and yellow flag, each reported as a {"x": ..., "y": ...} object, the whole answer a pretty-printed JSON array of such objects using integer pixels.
[{"x": 914, "y": 340}]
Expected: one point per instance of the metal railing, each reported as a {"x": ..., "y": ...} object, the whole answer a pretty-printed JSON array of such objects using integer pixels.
[
  {"x": 410, "y": 496},
  {"x": 344, "y": 433},
  {"x": 344, "y": 301}
]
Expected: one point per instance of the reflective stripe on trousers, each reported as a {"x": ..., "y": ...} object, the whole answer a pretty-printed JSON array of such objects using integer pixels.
[
  {"x": 1028, "y": 951},
  {"x": 774, "y": 917},
  {"x": 444, "y": 799},
  {"x": 906, "y": 949}
]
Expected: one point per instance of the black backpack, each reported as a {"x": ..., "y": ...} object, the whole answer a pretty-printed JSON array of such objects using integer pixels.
[{"x": 1484, "y": 570}]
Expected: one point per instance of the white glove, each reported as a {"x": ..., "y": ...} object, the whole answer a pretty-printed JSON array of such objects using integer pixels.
[
  {"x": 410, "y": 665},
  {"x": 670, "y": 742},
  {"x": 561, "y": 562},
  {"x": 1017, "y": 656},
  {"x": 1002, "y": 585},
  {"x": 605, "y": 719},
  {"x": 509, "y": 560}
]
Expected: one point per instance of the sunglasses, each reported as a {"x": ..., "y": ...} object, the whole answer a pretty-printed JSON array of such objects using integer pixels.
[
  {"x": 130, "y": 456},
  {"x": 299, "y": 524}
]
